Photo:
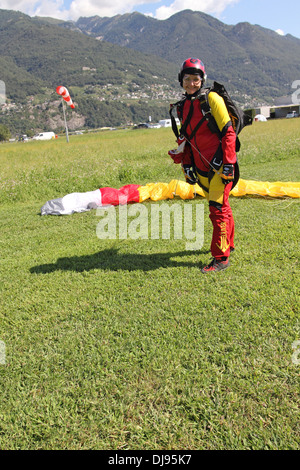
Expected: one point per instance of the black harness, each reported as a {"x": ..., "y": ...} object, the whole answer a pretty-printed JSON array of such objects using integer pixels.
[{"x": 176, "y": 110}]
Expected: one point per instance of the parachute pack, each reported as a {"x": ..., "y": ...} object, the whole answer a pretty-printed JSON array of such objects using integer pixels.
[{"x": 238, "y": 117}]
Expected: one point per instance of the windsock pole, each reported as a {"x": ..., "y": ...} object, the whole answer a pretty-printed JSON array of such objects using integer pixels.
[{"x": 64, "y": 111}]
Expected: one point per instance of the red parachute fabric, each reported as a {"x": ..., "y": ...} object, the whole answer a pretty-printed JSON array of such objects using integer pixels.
[{"x": 115, "y": 197}]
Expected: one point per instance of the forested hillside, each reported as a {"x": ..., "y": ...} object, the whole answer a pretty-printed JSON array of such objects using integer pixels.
[
  {"x": 123, "y": 69},
  {"x": 110, "y": 85}
]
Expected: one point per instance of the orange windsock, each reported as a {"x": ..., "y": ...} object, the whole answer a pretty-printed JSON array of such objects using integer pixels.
[{"x": 62, "y": 91}]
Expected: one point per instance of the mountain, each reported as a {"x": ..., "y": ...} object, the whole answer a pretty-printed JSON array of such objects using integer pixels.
[
  {"x": 124, "y": 69},
  {"x": 251, "y": 59},
  {"x": 36, "y": 56}
]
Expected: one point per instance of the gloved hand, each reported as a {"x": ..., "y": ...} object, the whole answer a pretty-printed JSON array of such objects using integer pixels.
[
  {"x": 177, "y": 154},
  {"x": 189, "y": 174},
  {"x": 227, "y": 173}
]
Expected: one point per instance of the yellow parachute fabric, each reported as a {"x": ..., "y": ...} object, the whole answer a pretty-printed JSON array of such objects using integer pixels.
[
  {"x": 263, "y": 188},
  {"x": 160, "y": 191}
]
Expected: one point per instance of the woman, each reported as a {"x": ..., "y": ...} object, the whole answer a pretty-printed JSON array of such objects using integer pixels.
[{"x": 207, "y": 155}]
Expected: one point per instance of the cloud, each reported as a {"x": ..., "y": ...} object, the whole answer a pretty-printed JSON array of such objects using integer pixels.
[
  {"x": 52, "y": 8},
  {"x": 207, "y": 6},
  {"x": 104, "y": 8},
  {"x": 280, "y": 32},
  {"x": 77, "y": 8}
]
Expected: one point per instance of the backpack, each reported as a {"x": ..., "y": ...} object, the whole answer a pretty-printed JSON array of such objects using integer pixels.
[{"x": 238, "y": 117}]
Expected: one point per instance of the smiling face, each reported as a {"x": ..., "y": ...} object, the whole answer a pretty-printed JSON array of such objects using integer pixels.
[{"x": 191, "y": 83}]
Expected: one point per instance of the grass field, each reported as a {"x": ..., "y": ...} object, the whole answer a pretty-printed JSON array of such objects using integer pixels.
[{"x": 124, "y": 344}]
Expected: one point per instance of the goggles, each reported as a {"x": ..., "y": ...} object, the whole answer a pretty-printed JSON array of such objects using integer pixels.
[{"x": 192, "y": 79}]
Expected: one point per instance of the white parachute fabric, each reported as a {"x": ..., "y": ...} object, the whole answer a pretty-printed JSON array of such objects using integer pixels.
[{"x": 74, "y": 202}]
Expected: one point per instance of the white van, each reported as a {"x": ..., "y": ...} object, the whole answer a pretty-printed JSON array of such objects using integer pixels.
[
  {"x": 165, "y": 123},
  {"x": 168, "y": 122},
  {"x": 44, "y": 136}
]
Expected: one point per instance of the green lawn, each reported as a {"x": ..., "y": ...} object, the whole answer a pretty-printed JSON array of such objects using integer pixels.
[{"x": 124, "y": 344}]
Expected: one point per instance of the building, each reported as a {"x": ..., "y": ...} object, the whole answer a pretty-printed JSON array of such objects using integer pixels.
[{"x": 282, "y": 106}]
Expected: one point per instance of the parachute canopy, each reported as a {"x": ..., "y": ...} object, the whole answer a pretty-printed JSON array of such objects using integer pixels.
[{"x": 81, "y": 202}]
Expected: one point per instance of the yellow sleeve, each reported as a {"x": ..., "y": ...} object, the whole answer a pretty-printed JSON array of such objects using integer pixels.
[{"x": 218, "y": 109}]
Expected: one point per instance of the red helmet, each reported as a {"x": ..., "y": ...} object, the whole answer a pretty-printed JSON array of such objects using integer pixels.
[{"x": 194, "y": 67}]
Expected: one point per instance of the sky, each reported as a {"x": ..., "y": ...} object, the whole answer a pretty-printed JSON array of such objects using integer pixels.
[{"x": 280, "y": 16}]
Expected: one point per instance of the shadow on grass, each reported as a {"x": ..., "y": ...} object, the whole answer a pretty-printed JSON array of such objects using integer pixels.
[{"x": 112, "y": 260}]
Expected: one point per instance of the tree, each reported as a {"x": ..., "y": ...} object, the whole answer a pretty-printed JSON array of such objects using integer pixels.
[{"x": 4, "y": 133}]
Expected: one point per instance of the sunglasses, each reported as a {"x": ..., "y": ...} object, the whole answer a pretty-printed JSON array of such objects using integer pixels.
[{"x": 189, "y": 79}]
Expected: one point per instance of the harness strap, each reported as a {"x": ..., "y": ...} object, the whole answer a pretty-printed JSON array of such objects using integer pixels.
[
  {"x": 195, "y": 129},
  {"x": 188, "y": 118},
  {"x": 173, "y": 122},
  {"x": 216, "y": 162}
]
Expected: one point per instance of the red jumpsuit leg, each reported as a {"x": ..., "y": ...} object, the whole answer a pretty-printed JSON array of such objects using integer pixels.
[{"x": 223, "y": 226}]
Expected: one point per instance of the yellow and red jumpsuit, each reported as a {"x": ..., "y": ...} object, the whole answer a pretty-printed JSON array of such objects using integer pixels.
[{"x": 204, "y": 146}]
